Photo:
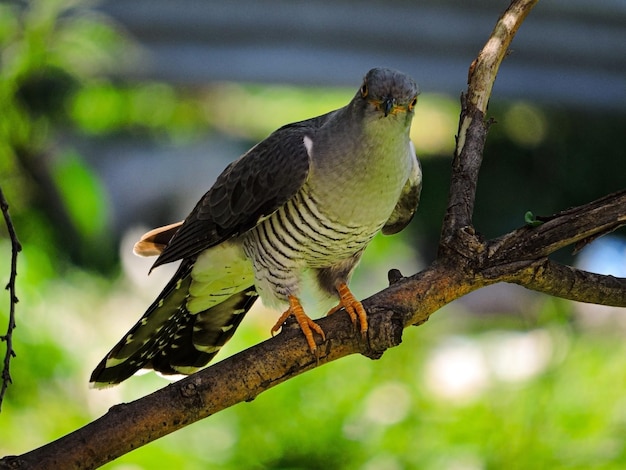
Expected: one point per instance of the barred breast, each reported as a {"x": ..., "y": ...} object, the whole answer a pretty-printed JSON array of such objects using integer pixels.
[{"x": 300, "y": 237}]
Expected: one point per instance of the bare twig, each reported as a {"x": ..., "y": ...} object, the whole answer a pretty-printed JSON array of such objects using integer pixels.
[{"x": 8, "y": 337}]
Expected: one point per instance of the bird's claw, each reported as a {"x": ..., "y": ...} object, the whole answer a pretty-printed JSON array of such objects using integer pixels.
[
  {"x": 306, "y": 324},
  {"x": 353, "y": 307}
]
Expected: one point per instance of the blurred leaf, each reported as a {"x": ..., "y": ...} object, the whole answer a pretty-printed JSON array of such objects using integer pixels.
[
  {"x": 88, "y": 43},
  {"x": 253, "y": 111},
  {"x": 9, "y": 25},
  {"x": 152, "y": 104},
  {"x": 82, "y": 194},
  {"x": 100, "y": 108}
]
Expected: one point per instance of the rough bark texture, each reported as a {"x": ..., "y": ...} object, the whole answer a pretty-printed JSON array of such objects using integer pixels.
[{"x": 465, "y": 263}]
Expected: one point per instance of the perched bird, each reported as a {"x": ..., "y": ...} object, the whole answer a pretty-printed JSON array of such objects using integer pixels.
[{"x": 303, "y": 203}]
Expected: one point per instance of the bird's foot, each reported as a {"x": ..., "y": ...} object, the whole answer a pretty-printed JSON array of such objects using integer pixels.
[
  {"x": 306, "y": 324},
  {"x": 353, "y": 307}
]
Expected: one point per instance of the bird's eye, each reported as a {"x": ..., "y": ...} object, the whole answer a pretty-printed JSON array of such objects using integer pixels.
[
  {"x": 364, "y": 90},
  {"x": 412, "y": 103}
]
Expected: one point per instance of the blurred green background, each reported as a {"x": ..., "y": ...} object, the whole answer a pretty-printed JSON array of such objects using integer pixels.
[{"x": 503, "y": 378}]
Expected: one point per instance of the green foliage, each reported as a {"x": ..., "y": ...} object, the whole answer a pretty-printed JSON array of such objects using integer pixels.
[
  {"x": 83, "y": 197},
  {"x": 50, "y": 49}
]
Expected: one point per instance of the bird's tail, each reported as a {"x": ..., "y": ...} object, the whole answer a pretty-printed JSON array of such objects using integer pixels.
[{"x": 171, "y": 340}]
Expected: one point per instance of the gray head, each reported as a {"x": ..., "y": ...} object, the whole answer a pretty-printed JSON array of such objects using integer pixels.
[{"x": 388, "y": 91}]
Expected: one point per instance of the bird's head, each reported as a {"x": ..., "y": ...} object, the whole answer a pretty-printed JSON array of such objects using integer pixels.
[{"x": 387, "y": 92}]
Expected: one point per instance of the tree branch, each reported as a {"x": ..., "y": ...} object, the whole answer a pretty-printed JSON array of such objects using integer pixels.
[
  {"x": 472, "y": 131},
  {"x": 8, "y": 337},
  {"x": 570, "y": 227},
  {"x": 519, "y": 257},
  {"x": 483, "y": 71},
  {"x": 570, "y": 283},
  {"x": 562, "y": 229},
  {"x": 465, "y": 263}
]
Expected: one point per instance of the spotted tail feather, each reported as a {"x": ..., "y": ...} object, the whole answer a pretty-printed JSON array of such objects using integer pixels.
[{"x": 171, "y": 340}]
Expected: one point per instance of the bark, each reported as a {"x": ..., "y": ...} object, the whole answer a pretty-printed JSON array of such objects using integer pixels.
[{"x": 465, "y": 262}]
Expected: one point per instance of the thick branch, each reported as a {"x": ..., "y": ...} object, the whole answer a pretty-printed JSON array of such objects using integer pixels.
[
  {"x": 570, "y": 283},
  {"x": 243, "y": 376}
]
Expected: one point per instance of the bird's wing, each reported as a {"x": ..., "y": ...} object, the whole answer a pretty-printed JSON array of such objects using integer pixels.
[
  {"x": 249, "y": 190},
  {"x": 409, "y": 198}
]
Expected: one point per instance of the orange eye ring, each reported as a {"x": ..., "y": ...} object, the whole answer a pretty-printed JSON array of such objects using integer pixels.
[
  {"x": 412, "y": 104},
  {"x": 364, "y": 90}
]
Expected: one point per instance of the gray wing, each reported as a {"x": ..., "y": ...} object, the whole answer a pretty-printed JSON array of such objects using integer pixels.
[
  {"x": 249, "y": 190},
  {"x": 409, "y": 198}
]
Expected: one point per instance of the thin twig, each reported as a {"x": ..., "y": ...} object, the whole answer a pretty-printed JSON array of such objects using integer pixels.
[{"x": 16, "y": 247}]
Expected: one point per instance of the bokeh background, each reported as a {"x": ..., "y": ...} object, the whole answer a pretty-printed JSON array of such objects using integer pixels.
[{"x": 117, "y": 116}]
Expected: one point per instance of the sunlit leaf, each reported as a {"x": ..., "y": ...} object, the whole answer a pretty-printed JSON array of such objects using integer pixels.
[{"x": 83, "y": 195}]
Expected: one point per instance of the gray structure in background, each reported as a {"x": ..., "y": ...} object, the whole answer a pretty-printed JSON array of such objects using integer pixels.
[{"x": 568, "y": 52}]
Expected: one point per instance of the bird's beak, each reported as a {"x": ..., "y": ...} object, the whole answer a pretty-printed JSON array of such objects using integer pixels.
[{"x": 388, "y": 104}]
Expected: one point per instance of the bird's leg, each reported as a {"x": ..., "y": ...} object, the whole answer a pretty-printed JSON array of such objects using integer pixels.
[
  {"x": 306, "y": 324},
  {"x": 353, "y": 307}
]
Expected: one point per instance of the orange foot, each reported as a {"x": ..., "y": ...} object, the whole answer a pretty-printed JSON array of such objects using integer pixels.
[
  {"x": 352, "y": 305},
  {"x": 306, "y": 324}
]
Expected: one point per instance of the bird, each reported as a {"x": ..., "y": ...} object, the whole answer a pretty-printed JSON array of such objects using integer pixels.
[{"x": 303, "y": 203}]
